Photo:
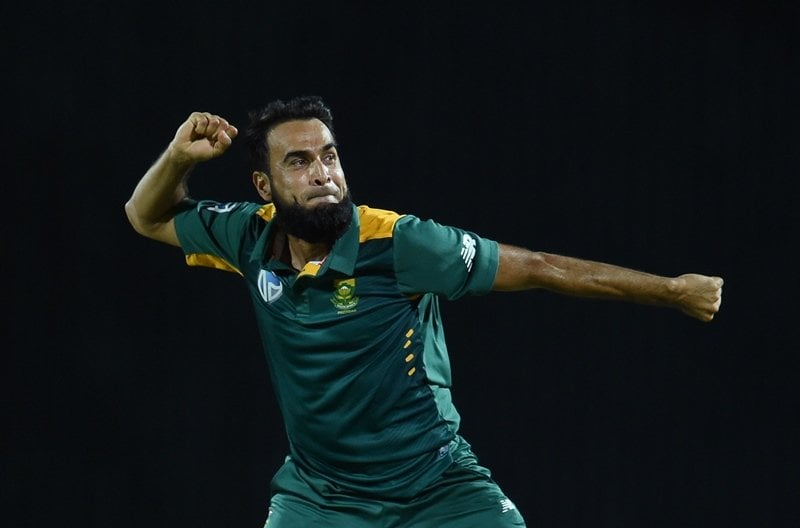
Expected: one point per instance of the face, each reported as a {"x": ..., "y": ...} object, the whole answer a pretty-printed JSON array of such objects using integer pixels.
[
  {"x": 305, "y": 165},
  {"x": 307, "y": 184}
]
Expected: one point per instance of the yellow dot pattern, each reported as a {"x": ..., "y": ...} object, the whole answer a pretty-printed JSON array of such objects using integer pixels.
[{"x": 410, "y": 357}]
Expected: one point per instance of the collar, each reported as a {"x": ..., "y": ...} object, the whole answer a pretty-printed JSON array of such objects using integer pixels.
[{"x": 342, "y": 257}]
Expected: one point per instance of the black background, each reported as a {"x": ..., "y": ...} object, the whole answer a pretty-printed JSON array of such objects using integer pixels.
[{"x": 656, "y": 135}]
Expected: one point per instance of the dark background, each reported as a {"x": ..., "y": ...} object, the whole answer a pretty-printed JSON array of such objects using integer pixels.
[{"x": 656, "y": 135}]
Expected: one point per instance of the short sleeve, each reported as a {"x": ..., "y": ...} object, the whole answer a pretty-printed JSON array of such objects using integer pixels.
[
  {"x": 431, "y": 257},
  {"x": 213, "y": 234}
]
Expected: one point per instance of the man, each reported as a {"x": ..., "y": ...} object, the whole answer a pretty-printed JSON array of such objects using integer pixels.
[{"x": 346, "y": 300}]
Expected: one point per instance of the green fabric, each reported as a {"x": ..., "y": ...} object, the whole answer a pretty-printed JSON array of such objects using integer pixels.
[
  {"x": 356, "y": 351},
  {"x": 463, "y": 496}
]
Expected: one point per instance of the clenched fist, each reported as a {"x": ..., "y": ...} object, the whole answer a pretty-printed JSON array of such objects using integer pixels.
[
  {"x": 201, "y": 137},
  {"x": 699, "y": 296}
]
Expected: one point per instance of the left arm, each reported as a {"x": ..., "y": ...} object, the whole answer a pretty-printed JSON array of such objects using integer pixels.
[{"x": 697, "y": 296}]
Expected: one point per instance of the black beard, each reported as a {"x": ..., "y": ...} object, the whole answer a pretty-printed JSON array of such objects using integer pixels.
[{"x": 324, "y": 223}]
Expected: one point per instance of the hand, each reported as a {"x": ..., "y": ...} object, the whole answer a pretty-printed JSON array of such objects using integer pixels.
[
  {"x": 699, "y": 296},
  {"x": 201, "y": 137}
]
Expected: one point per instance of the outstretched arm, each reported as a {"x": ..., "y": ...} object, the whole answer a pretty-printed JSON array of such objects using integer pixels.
[
  {"x": 698, "y": 296},
  {"x": 155, "y": 199}
]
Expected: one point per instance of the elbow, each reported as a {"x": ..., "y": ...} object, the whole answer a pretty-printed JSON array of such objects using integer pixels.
[
  {"x": 138, "y": 223},
  {"x": 133, "y": 218},
  {"x": 163, "y": 231}
]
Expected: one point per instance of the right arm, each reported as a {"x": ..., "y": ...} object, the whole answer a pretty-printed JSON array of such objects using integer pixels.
[
  {"x": 155, "y": 199},
  {"x": 696, "y": 295}
]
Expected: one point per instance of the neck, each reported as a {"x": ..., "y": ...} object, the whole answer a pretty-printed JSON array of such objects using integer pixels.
[{"x": 303, "y": 252}]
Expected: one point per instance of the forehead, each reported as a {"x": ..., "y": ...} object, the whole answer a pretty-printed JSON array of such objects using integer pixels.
[{"x": 306, "y": 134}]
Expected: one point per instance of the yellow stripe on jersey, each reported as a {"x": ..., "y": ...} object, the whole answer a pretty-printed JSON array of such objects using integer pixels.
[
  {"x": 376, "y": 223},
  {"x": 210, "y": 261}
]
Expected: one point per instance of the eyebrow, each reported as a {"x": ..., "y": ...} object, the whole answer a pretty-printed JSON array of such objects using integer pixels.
[{"x": 304, "y": 153}]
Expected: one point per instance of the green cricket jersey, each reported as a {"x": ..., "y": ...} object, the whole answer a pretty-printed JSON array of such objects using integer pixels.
[{"x": 354, "y": 344}]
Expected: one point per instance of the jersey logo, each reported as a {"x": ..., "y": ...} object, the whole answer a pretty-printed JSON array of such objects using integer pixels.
[
  {"x": 344, "y": 295},
  {"x": 222, "y": 208},
  {"x": 468, "y": 250},
  {"x": 269, "y": 286},
  {"x": 507, "y": 505}
]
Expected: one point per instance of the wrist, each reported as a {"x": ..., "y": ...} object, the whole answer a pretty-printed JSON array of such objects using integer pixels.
[
  {"x": 675, "y": 288},
  {"x": 178, "y": 158}
]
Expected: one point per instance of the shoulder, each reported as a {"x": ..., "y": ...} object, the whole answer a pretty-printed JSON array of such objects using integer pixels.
[
  {"x": 239, "y": 211},
  {"x": 203, "y": 215},
  {"x": 376, "y": 223},
  {"x": 266, "y": 211}
]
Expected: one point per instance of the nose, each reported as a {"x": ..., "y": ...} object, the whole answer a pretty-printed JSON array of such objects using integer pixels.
[{"x": 319, "y": 173}]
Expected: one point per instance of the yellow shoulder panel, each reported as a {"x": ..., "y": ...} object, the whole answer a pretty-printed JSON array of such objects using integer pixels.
[
  {"x": 210, "y": 261},
  {"x": 266, "y": 212},
  {"x": 376, "y": 223}
]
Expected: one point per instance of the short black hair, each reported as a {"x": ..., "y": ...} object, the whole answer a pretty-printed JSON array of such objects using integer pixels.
[{"x": 264, "y": 119}]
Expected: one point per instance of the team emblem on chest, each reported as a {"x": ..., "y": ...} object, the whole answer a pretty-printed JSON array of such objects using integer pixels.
[{"x": 344, "y": 295}]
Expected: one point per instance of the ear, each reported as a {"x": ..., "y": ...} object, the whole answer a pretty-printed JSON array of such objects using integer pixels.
[{"x": 261, "y": 182}]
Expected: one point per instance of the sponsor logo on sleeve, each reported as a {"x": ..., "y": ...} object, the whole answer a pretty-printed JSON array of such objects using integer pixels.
[
  {"x": 222, "y": 207},
  {"x": 468, "y": 250},
  {"x": 506, "y": 506}
]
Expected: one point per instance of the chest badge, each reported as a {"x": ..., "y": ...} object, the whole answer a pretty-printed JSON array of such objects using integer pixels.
[
  {"x": 269, "y": 286},
  {"x": 344, "y": 295}
]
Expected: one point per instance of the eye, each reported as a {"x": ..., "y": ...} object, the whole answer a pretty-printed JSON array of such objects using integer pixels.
[
  {"x": 297, "y": 162},
  {"x": 329, "y": 157}
]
